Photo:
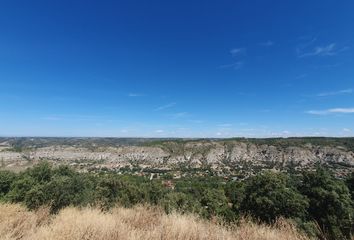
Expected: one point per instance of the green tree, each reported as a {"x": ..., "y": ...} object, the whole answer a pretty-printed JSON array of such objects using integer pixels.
[
  {"x": 215, "y": 203},
  {"x": 64, "y": 170},
  {"x": 330, "y": 203},
  {"x": 154, "y": 192},
  {"x": 181, "y": 202},
  {"x": 20, "y": 187},
  {"x": 6, "y": 179},
  {"x": 41, "y": 172},
  {"x": 107, "y": 190},
  {"x": 235, "y": 192},
  {"x": 65, "y": 190},
  {"x": 268, "y": 196},
  {"x": 131, "y": 194},
  {"x": 350, "y": 184},
  {"x": 36, "y": 197}
]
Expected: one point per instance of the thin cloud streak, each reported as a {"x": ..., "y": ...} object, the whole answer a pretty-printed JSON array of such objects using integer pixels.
[
  {"x": 267, "y": 43},
  {"x": 136, "y": 95},
  {"x": 237, "y": 51},
  {"x": 224, "y": 125},
  {"x": 305, "y": 45},
  {"x": 179, "y": 114},
  {"x": 334, "y": 93},
  {"x": 235, "y": 65},
  {"x": 163, "y": 107},
  {"x": 322, "y": 51},
  {"x": 331, "y": 111},
  {"x": 52, "y": 118}
]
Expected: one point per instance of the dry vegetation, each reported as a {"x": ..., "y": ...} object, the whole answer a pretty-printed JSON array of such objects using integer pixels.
[{"x": 121, "y": 223}]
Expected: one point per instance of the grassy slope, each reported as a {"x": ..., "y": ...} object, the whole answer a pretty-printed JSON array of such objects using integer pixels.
[{"x": 130, "y": 224}]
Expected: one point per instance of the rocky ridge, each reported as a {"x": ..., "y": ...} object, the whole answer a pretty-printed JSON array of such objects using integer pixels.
[{"x": 195, "y": 153}]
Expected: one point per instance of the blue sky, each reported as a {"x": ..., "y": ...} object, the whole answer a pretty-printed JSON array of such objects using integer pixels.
[{"x": 177, "y": 68}]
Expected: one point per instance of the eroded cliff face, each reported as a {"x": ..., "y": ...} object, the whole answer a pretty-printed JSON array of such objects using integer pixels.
[{"x": 193, "y": 153}]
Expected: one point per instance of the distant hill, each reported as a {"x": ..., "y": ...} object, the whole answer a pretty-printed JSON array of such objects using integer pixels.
[{"x": 235, "y": 155}]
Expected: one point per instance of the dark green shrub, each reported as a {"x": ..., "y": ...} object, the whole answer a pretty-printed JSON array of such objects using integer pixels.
[
  {"x": 6, "y": 179},
  {"x": 20, "y": 187},
  {"x": 268, "y": 196},
  {"x": 330, "y": 203},
  {"x": 181, "y": 202}
]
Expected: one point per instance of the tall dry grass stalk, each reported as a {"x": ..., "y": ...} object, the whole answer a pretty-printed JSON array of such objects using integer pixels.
[{"x": 139, "y": 223}]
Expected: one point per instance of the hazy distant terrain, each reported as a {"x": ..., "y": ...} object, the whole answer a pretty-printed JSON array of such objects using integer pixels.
[{"x": 229, "y": 156}]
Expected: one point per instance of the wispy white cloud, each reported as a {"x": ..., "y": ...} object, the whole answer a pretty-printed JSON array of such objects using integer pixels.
[
  {"x": 342, "y": 110},
  {"x": 346, "y": 130},
  {"x": 327, "y": 66},
  {"x": 136, "y": 95},
  {"x": 223, "y": 133},
  {"x": 74, "y": 117},
  {"x": 305, "y": 43},
  {"x": 248, "y": 129},
  {"x": 267, "y": 43},
  {"x": 333, "y": 93},
  {"x": 163, "y": 107},
  {"x": 52, "y": 118},
  {"x": 179, "y": 114},
  {"x": 331, "y": 111},
  {"x": 237, "y": 51},
  {"x": 327, "y": 50},
  {"x": 159, "y": 131},
  {"x": 236, "y": 65},
  {"x": 225, "y": 125}
]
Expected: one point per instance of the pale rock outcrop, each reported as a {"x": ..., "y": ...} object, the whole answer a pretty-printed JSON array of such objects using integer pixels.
[{"x": 195, "y": 153}]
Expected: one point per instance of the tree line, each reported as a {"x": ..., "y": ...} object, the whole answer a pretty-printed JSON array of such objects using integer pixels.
[{"x": 319, "y": 204}]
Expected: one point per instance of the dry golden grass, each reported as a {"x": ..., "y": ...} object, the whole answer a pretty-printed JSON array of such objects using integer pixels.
[{"x": 139, "y": 223}]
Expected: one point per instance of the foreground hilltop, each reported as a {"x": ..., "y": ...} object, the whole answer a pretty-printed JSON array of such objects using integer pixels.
[
  {"x": 240, "y": 155},
  {"x": 137, "y": 223}
]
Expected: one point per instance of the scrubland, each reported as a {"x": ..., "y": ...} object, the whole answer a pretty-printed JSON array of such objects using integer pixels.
[{"x": 140, "y": 222}]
